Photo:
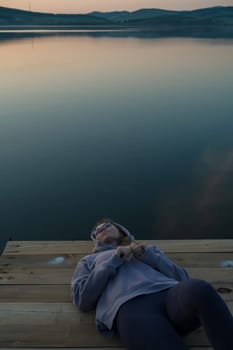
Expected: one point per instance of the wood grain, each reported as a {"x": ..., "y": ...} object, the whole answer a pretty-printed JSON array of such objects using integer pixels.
[
  {"x": 35, "y": 302},
  {"x": 59, "y": 325},
  {"x": 205, "y": 259},
  {"x": 85, "y": 247}
]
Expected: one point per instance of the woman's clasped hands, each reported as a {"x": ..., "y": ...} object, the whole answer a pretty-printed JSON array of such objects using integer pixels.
[{"x": 133, "y": 250}]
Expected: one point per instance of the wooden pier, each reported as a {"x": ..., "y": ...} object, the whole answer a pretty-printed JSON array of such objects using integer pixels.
[{"x": 35, "y": 305}]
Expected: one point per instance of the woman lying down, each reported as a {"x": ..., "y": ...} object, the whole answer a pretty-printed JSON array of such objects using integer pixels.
[{"x": 142, "y": 295}]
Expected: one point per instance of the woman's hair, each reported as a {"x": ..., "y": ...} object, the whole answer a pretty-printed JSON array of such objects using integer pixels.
[{"x": 123, "y": 240}]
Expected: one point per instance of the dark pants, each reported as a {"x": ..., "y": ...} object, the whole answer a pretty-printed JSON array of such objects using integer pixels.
[{"x": 160, "y": 320}]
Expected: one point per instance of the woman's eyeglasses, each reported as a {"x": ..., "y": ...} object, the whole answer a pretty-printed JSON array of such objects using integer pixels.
[{"x": 103, "y": 227}]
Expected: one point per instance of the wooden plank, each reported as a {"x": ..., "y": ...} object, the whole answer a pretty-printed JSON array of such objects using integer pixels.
[
  {"x": 35, "y": 292},
  {"x": 51, "y": 261},
  {"x": 48, "y": 247},
  {"x": 206, "y": 259},
  {"x": 85, "y": 247},
  {"x": 35, "y": 276},
  {"x": 59, "y": 325},
  {"x": 38, "y": 293},
  {"x": 61, "y": 293},
  {"x": 28, "y": 275},
  {"x": 212, "y": 275},
  {"x": 48, "y": 325}
]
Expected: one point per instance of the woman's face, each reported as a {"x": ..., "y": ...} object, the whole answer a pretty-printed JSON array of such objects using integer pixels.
[{"x": 107, "y": 233}]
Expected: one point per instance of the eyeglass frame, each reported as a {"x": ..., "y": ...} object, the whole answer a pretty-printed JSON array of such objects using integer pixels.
[{"x": 103, "y": 227}]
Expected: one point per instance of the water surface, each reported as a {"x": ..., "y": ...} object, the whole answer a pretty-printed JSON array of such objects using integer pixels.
[{"x": 137, "y": 129}]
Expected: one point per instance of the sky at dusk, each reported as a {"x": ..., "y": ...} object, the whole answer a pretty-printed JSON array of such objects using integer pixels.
[{"x": 85, "y": 6}]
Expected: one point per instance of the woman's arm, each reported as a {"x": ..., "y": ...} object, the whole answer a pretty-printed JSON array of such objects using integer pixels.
[
  {"x": 87, "y": 285},
  {"x": 158, "y": 260}
]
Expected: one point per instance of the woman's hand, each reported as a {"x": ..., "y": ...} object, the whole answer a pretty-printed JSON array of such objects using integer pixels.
[
  {"x": 124, "y": 253},
  {"x": 133, "y": 250},
  {"x": 138, "y": 249}
]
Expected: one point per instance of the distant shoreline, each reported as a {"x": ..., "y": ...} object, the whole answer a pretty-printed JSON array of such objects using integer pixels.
[
  {"x": 139, "y": 34},
  {"x": 120, "y": 30},
  {"x": 213, "y": 22}
]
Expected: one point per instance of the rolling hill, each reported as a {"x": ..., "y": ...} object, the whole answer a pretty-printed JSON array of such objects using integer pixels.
[{"x": 213, "y": 16}]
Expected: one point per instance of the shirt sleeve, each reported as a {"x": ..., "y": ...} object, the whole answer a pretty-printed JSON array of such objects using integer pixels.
[
  {"x": 159, "y": 261},
  {"x": 88, "y": 284}
]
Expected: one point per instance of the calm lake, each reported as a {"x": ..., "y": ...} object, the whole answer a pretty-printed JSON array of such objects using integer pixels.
[{"x": 136, "y": 129}]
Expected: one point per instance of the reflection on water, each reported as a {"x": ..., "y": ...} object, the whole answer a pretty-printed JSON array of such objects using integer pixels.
[
  {"x": 135, "y": 129},
  {"x": 209, "y": 207}
]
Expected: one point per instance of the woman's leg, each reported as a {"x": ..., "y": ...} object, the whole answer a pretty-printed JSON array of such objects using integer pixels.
[
  {"x": 142, "y": 324},
  {"x": 195, "y": 302}
]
